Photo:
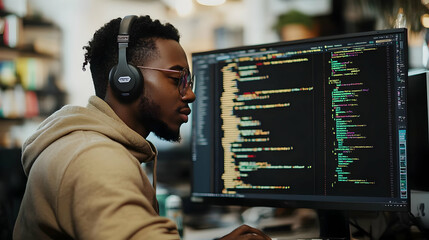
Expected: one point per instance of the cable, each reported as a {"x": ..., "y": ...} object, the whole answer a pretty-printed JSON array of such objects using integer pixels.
[
  {"x": 418, "y": 223},
  {"x": 360, "y": 229}
]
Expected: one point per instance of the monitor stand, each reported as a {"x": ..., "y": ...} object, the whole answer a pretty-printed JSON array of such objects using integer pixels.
[{"x": 333, "y": 224}]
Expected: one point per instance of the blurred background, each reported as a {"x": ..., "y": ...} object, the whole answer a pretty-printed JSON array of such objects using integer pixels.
[{"x": 41, "y": 57}]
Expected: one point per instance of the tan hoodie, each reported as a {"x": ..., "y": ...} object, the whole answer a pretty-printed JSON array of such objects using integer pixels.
[{"x": 85, "y": 180}]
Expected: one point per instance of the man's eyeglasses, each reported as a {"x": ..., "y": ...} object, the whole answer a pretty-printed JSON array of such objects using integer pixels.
[{"x": 186, "y": 79}]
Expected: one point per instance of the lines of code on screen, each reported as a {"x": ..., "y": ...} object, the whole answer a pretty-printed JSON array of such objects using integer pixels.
[
  {"x": 256, "y": 100},
  {"x": 307, "y": 123}
]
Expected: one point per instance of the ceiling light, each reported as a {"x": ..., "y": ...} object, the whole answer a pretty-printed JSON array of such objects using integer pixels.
[
  {"x": 211, "y": 2},
  {"x": 184, "y": 7},
  {"x": 425, "y": 20}
]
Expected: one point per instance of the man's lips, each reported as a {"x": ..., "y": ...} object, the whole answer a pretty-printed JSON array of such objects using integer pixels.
[{"x": 184, "y": 112}]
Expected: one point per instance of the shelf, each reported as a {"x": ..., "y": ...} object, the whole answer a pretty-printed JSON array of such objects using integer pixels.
[
  {"x": 30, "y": 75},
  {"x": 16, "y": 120},
  {"x": 5, "y": 13},
  {"x": 30, "y": 37},
  {"x": 36, "y": 22},
  {"x": 8, "y": 53}
]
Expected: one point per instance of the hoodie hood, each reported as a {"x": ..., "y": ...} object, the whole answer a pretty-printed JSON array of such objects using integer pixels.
[{"x": 97, "y": 117}]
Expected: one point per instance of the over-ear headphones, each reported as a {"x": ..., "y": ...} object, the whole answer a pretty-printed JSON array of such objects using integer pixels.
[{"x": 125, "y": 80}]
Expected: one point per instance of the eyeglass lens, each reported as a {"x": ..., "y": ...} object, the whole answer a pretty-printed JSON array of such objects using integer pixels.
[{"x": 185, "y": 82}]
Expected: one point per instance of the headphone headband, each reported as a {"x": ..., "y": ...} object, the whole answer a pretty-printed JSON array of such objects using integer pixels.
[{"x": 124, "y": 28}]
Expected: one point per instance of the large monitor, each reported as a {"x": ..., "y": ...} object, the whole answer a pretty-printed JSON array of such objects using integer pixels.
[{"x": 318, "y": 123}]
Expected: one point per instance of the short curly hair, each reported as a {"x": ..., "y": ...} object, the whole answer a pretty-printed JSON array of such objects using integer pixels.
[{"x": 102, "y": 51}]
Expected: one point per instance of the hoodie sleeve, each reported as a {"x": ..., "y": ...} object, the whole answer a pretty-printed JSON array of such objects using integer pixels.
[{"x": 103, "y": 195}]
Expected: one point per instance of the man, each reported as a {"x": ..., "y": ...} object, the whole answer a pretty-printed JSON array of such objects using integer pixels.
[{"x": 83, "y": 163}]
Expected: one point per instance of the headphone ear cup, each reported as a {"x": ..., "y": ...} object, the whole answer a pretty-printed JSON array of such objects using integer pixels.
[{"x": 127, "y": 84}]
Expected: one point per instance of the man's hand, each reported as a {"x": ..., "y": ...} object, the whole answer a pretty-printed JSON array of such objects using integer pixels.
[{"x": 245, "y": 232}]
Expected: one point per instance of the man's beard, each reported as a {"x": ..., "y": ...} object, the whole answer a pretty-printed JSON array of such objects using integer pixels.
[{"x": 149, "y": 113}]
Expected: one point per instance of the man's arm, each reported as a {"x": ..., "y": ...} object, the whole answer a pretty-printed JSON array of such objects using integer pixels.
[{"x": 103, "y": 195}]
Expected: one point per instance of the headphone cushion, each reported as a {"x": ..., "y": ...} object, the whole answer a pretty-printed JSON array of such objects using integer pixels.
[
  {"x": 127, "y": 84},
  {"x": 138, "y": 85}
]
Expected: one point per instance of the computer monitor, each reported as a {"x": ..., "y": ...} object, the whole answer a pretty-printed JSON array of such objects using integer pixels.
[
  {"x": 418, "y": 130},
  {"x": 317, "y": 123}
]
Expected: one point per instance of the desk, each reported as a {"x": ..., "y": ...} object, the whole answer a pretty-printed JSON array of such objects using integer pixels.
[
  {"x": 302, "y": 224},
  {"x": 210, "y": 234},
  {"x": 375, "y": 223},
  {"x": 281, "y": 228}
]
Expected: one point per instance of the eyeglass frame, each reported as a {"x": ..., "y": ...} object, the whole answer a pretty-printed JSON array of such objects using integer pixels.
[{"x": 184, "y": 72}]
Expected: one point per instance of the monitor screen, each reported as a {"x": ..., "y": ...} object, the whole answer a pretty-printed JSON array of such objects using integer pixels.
[{"x": 318, "y": 123}]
